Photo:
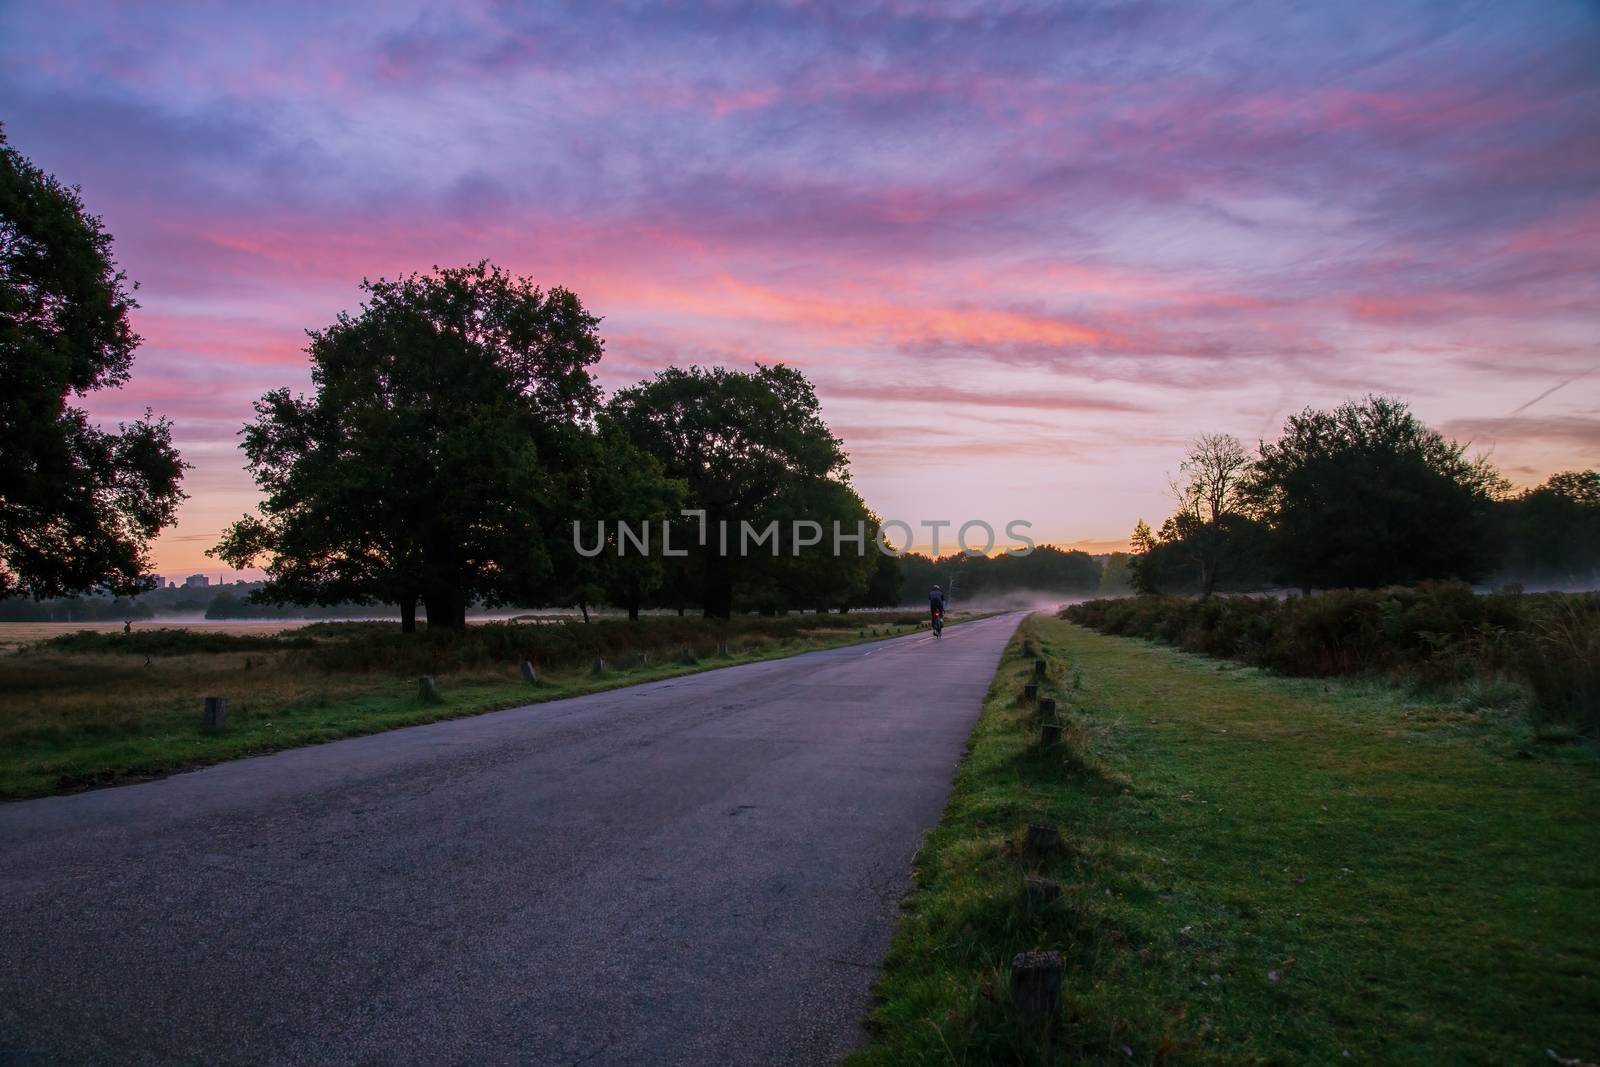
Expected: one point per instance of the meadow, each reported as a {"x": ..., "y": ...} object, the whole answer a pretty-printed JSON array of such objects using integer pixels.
[
  {"x": 1253, "y": 869},
  {"x": 1536, "y": 653},
  {"x": 95, "y": 706}
]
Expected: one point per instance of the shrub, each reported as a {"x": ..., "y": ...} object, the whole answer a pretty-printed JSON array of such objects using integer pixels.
[
  {"x": 1562, "y": 665},
  {"x": 172, "y": 642}
]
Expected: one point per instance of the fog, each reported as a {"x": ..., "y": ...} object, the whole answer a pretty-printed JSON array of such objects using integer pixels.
[{"x": 1024, "y": 600}]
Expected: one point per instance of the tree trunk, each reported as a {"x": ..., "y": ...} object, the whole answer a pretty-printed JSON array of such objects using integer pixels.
[
  {"x": 446, "y": 608},
  {"x": 718, "y": 600},
  {"x": 408, "y": 615},
  {"x": 583, "y": 606}
]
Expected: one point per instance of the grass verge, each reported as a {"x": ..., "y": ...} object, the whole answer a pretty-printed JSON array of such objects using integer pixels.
[
  {"x": 77, "y": 713},
  {"x": 1254, "y": 870}
]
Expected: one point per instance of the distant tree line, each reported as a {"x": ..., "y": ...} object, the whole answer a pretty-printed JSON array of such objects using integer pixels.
[
  {"x": 1363, "y": 496},
  {"x": 1046, "y": 571}
]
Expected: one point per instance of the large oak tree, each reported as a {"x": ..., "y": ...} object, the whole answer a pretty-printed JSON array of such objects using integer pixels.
[{"x": 424, "y": 467}]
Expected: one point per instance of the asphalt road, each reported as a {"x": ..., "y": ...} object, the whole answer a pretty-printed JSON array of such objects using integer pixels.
[{"x": 700, "y": 871}]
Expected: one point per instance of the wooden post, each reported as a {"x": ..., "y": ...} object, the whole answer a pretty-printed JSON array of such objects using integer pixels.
[
  {"x": 215, "y": 715},
  {"x": 1039, "y": 667},
  {"x": 1040, "y": 891},
  {"x": 1050, "y": 734},
  {"x": 1036, "y": 985},
  {"x": 1027, "y": 648},
  {"x": 530, "y": 673},
  {"x": 426, "y": 690},
  {"x": 1047, "y": 707},
  {"x": 1042, "y": 840},
  {"x": 1030, "y": 691}
]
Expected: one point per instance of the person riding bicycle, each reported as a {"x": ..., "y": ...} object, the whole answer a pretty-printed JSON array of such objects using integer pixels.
[{"x": 937, "y": 601}]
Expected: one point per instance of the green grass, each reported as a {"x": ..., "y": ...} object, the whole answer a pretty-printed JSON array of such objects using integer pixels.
[
  {"x": 1256, "y": 870},
  {"x": 74, "y": 716}
]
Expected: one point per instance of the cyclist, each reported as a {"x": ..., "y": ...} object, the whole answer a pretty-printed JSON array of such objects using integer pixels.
[{"x": 936, "y": 605}]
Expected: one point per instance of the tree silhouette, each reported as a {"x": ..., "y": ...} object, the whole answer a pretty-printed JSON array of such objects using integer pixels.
[
  {"x": 736, "y": 440},
  {"x": 1367, "y": 496},
  {"x": 78, "y": 505},
  {"x": 424, "y": 465}
]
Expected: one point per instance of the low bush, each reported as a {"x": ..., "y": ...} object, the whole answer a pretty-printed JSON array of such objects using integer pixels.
[
  {"x": 1436, "y": 635},
  {"x": 171, "y": 642}
]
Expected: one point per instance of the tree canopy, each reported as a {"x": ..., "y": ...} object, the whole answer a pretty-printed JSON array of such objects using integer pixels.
[
  {"x": 424, "y": 465},
  {"x": 1366, "y": 495},
  {"x": 78, "y": 504},
  {"x": 738, "y": 441}
]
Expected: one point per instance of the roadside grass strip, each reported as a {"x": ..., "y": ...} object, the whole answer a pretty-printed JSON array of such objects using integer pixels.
[
  {"x": 1251, "y": 870},
  {"x": 71, "y": 721}
]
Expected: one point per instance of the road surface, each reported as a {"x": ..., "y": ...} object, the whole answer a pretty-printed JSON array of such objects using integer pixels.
[{"x": 697, "y": 871}]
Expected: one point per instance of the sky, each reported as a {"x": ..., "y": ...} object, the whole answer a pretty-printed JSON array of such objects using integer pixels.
[{"x": 1026, "y": 251}]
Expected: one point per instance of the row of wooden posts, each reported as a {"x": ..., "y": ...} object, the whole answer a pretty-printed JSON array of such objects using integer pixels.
[
  {"x": 214, "y": 712},
  {"x": 1036, "y": 976}
]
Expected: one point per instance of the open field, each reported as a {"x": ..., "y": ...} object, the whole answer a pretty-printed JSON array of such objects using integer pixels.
[
  {"x": 1254, "y": 870},
  {"x": 88, "y": 710},
  {"x": 14, "y": 635}
]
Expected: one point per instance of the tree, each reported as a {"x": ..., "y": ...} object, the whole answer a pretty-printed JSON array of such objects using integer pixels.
[
  {"x": 423, "y": 467},
  {"x": 1211, "y": 477},
  {"x": 78, "y": 504},
  {"x": 1116, "y": 577},
  {"x": 883, "y": 588},
  {"x": 1205, "y": 528},
  {"x": 1142, "y": 540},
  {"x": 612, "y": 482},
  {"x": 735, "y": 440},
  {"x": 1554, "y": 530},
  {"x": 813, "y": 576},
  {"x": 1144, "y": 564},
  {"x": 1367, "y": 496}
]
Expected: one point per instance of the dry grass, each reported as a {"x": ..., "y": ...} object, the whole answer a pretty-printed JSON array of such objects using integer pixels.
[{"x": 14, "y": 635}]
